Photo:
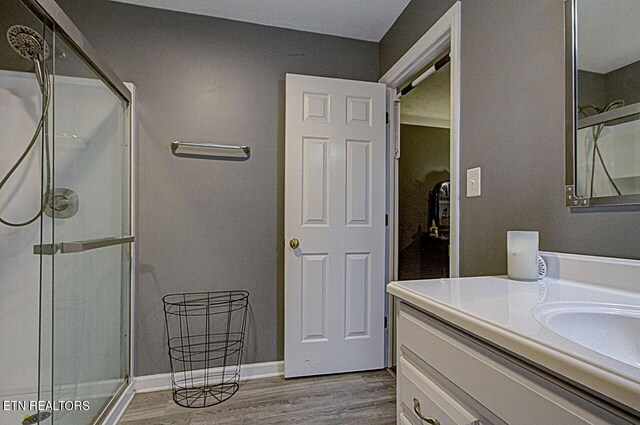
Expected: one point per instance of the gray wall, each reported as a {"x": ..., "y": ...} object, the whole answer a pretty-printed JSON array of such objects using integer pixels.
[
  {"x": 215, "y": 225},
  {"x": 592, "y": 90},
  {"x": 600, "y": 89},
  {"x": 512, "y": 125},
  {"x": 624, "y": 83},
  {"x": 207, "y": 225},
  {"x": 413, "y": 22}
]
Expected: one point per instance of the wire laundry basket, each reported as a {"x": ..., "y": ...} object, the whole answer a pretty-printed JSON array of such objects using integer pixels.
[{"x": 205, "y": 336}]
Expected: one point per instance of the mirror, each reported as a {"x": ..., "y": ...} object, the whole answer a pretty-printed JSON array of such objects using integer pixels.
[{"x": 603, "y": 102}]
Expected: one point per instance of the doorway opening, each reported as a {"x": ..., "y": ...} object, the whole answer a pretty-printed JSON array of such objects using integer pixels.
[{"x": 424, "y": 174}]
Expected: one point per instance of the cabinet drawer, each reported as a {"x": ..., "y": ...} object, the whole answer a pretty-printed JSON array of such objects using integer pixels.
[
  {"x": 403, "y": 420},
  {"x": 433, "y": 401}
]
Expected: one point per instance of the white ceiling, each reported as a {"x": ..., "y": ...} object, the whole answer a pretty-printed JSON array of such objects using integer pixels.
[
  {"x": 608, "y": 36},
  {"x": 360, "y": 19},
  {"x": 429, "y": 104}
]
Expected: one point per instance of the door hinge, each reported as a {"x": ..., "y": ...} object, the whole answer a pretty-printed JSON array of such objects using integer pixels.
[
  {"x": 387, "y": 117},
  {"x": 386, "y": 322},
  {"x": 386, "y": 220}
]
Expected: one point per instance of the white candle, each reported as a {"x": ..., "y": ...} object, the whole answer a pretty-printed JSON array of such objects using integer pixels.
[{"x": 522, "y": 255}]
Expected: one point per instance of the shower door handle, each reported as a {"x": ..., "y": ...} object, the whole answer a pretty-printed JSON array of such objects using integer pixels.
[{"x": 80, "y": 246}]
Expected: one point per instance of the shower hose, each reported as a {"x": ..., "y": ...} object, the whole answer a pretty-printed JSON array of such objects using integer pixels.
[{"x": 45, "y": 88}]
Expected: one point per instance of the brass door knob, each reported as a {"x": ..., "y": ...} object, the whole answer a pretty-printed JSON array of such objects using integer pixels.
[{"x": 294, "y": 243}]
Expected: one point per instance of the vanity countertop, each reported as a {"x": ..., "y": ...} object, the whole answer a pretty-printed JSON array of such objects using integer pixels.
[{"x": 503, "y": 312}]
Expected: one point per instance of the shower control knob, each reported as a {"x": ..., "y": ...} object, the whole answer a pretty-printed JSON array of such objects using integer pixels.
[{"x": 294, "y": 243}]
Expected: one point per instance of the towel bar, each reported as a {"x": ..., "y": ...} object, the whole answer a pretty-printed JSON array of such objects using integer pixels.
[{"x": 177, "y": 144}]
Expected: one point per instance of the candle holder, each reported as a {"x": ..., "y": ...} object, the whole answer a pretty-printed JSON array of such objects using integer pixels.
[{"x": 522, "y": 255}]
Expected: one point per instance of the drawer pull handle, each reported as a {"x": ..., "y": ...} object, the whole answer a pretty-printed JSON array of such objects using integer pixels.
[{"x": 416, "y": 408}]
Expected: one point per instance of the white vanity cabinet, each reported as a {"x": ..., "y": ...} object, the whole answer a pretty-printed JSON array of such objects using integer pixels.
[{"x": 450, "y": 377}]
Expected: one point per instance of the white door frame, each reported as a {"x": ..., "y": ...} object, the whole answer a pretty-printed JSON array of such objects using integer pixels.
[{"x": 442, "y": 35}]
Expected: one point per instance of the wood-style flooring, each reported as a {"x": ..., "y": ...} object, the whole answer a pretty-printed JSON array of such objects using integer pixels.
[{"x": 354, "y": 398}]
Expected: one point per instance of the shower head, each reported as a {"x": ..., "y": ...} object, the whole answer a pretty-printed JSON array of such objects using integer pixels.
[
  {"x": 597, "y": 130},
  {"x": 28, "y": 43},
  {"x": 614, "y": 105}
]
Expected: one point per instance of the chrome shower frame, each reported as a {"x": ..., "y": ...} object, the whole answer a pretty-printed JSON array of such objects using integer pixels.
[
  {"x": 572, "y": 124},
  {"x": 54, "y": 17},
  {"x": 50, "y": 13}
]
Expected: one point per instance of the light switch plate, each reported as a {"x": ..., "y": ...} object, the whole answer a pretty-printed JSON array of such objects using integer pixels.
[{"x": 474, "y": 182}]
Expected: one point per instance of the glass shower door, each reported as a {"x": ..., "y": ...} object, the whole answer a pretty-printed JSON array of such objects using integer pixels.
[
  {"x": 90, "y": 272},
  {"x": 21, "y": 293}
]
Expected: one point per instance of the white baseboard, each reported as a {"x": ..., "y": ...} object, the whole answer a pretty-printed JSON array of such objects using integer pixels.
[
  {"x": 120, "y": 406},
  {"x": 76, "y": 391},
  {"x": 149, "y": 383}
]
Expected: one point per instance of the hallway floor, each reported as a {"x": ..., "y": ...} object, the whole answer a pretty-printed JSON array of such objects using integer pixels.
[{"x": 354, "y": 398}]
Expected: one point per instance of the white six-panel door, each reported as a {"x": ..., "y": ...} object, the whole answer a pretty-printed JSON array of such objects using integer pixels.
[{"x": 335, "y": 209}]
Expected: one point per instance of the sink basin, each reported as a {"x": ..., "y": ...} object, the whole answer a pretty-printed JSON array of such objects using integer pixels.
[{"x": 609, "y": 329}]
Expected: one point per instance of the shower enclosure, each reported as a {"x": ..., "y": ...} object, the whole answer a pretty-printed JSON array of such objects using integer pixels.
[{"x": 65, "y": 233}]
